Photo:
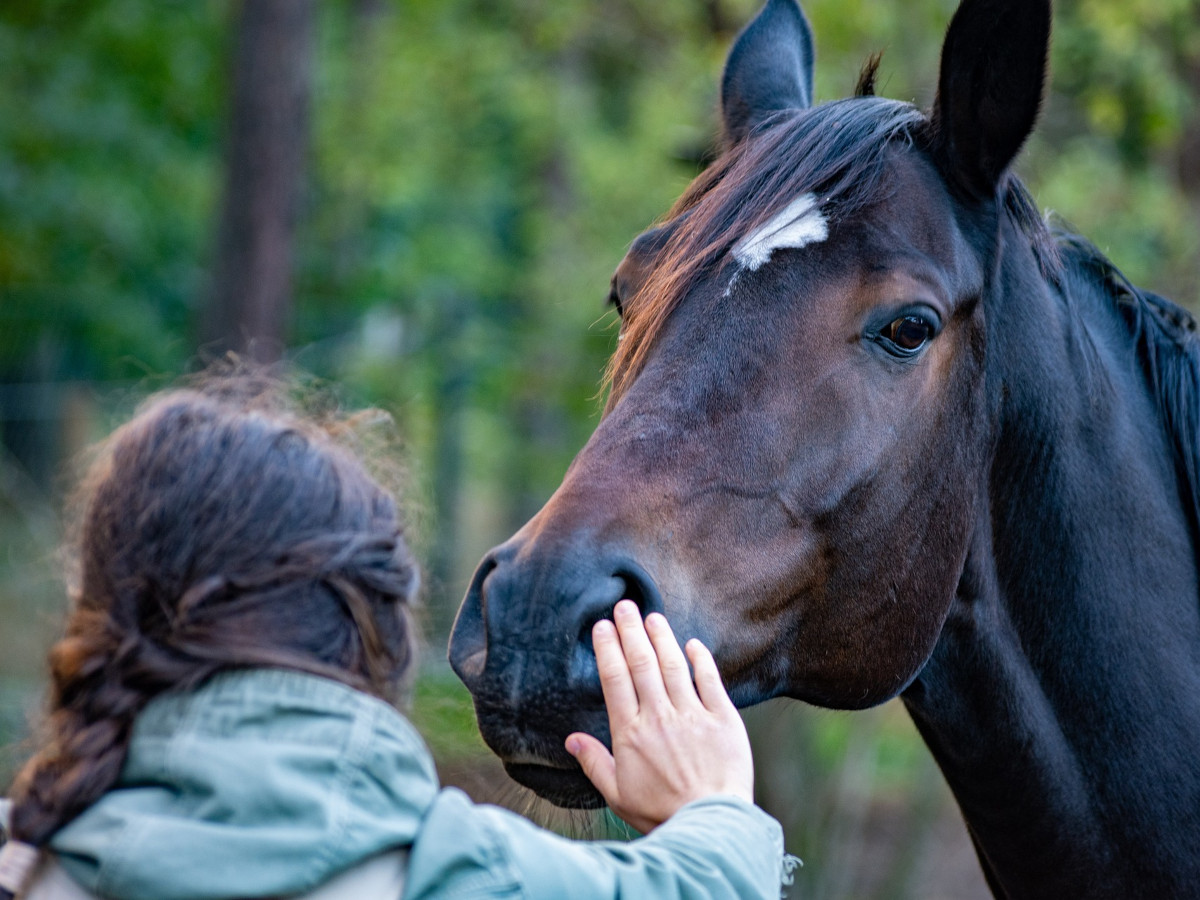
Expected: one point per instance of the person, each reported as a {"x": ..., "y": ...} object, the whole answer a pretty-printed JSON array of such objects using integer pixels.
[{"x": 222, "y": 718}]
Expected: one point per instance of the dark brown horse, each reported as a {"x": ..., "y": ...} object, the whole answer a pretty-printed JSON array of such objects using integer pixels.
[{"x": 875, "y": 430}]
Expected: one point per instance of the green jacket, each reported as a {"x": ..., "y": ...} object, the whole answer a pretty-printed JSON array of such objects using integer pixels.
[{"x": 270, "y": 783}]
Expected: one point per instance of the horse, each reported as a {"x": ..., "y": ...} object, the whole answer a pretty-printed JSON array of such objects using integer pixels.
[{"x": 875, "y": 428}]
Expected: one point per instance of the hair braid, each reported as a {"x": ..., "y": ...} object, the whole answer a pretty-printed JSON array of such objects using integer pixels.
[{"x": 98, "y": 687}]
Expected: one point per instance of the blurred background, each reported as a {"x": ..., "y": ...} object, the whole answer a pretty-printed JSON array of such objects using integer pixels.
[{"x": 421, "y": 203}]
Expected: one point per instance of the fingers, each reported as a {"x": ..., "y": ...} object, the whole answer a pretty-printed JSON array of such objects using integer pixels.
[
  {"x": 672, "y": 664},
  {"x": 639, "y": 655},
  {"x": 708, "y": 679},
  {"x": 640, "y": 664},
  {"x": 619, "y": 695},
  {"x": 597, "y": 764}
]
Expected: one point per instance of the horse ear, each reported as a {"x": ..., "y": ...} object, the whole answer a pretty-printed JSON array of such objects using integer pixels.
[
  {"x": 990, "y": 89},
  {"x": 770, "y": 68}
]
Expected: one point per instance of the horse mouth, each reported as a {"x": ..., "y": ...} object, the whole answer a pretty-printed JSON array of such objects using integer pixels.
[
  {"x": 534, "y": 755},
  {"x": 565, "y": 787}
]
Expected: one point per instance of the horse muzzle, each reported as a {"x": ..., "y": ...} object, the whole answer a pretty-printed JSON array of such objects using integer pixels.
[{"x": 522, "y": 644}]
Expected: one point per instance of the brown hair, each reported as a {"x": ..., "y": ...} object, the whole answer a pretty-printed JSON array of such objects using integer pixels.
[{"x": 218, "y": 531}]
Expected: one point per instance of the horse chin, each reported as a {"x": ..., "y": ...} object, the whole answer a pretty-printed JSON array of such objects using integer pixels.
[
  {"x": 535, "y": 757},
  {"x": 568, "y": 788}
]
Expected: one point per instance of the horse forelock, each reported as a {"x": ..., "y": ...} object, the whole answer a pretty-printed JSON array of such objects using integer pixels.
[{"x": 836, "y": 152}]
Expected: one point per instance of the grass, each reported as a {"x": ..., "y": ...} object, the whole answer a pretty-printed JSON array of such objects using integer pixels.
[{"x": 442, "y": 711}]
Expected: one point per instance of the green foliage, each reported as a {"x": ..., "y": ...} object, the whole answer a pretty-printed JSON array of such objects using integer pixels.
[
  {"x": 1108, "y": 155},
  {"x": 441, "y": 710},
  {"x": 108, "y": 124}
]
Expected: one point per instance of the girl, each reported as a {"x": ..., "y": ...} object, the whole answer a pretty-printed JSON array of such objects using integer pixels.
[{"x": 221, "y": 721}]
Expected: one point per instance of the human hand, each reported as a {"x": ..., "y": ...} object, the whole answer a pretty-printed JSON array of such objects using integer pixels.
[{"x": 672, "y": 742}]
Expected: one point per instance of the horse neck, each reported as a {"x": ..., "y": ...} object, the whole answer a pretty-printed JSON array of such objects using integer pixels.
[{"x": 1061, "y": 701}]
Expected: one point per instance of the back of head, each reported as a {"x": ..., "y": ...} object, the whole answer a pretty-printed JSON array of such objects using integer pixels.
[{"x": 218, "y": 531}]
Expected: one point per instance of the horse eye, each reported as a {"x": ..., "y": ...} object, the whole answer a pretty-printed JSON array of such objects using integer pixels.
[
  {"x": 614, "y": 298},
  {"x": 909, "y": 333}
]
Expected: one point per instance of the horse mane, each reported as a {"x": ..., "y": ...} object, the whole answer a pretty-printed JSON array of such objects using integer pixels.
[{"x": 1167, "y": 342}]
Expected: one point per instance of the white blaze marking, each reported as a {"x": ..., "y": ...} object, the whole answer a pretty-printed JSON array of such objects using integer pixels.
[{"x": 799, "y": 224}]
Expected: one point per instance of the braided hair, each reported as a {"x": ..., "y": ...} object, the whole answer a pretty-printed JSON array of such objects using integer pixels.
[{"x": 216, "y": 533}]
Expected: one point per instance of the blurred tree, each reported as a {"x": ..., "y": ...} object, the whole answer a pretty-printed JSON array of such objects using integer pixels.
[
  {"x": 251, "y": 296},
  {"x": 107, "y": 126}
]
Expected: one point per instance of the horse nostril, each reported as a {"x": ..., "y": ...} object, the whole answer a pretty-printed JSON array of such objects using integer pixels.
[
  {"x": 628, "y": 582},
  {"x": 468, "y": 638},
  {"x": 633, "y": 585},
  {"x": 641, "y": 590}
]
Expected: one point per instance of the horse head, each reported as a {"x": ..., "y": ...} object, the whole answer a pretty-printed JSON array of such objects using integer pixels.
[{"x": 794, "y": 445}]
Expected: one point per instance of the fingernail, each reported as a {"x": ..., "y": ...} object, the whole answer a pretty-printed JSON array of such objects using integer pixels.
[
  {"x": 603, "y": 628},
  {"x": 626, "y": 608},
  {"x": 573, "y": 745}
]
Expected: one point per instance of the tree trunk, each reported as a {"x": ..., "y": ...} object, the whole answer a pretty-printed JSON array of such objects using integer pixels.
[
  {"x": 452, "y": 382},
  {"x": 1189, "y": 145},
  {"x": 1189, "y": 169},
  {"x": 251, "y": 301}
]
